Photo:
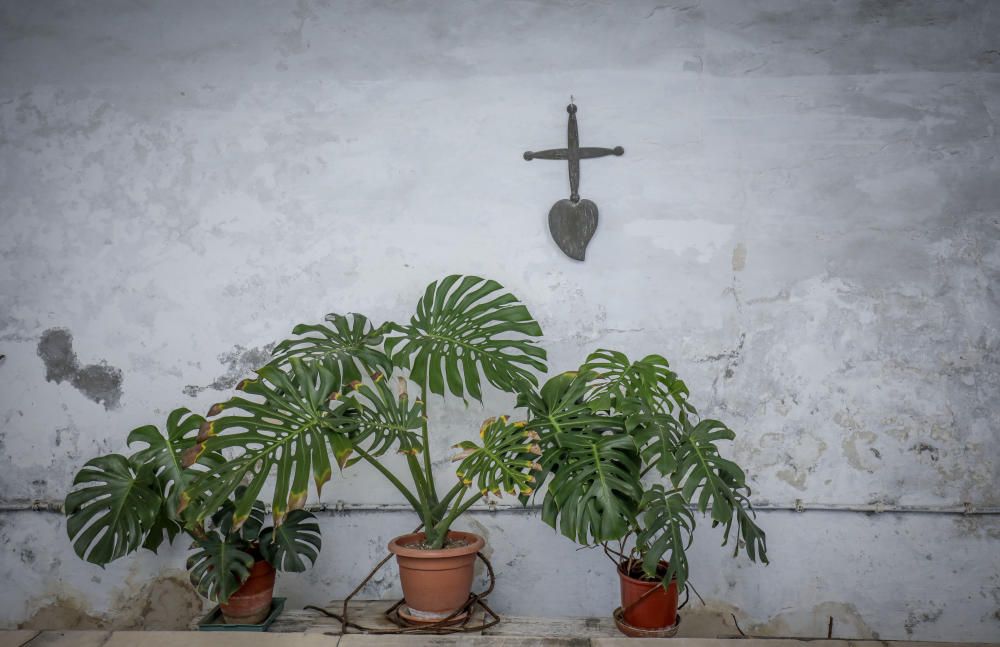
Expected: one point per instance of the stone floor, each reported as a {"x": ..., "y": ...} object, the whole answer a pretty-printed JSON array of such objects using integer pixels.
[
  {"x": 308, "y": 628},
  {"x": 314, "y": 639}
]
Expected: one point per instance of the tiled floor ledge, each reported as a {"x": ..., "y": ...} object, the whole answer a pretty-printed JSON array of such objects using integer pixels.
[
  {"x": 24, "y": 638},
  {"x": 309, "y": 628}
]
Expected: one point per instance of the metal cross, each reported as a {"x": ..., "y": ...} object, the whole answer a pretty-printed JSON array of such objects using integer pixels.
[{"x": 573, "y": 222}]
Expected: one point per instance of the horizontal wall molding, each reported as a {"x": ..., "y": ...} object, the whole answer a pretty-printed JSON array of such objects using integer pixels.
[{"x": 964, "y": 509}]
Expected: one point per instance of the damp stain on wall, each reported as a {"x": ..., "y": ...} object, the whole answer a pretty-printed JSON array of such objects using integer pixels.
[
  {"x": 165, "y": 603},
  {"x": 99, "y": 382}
]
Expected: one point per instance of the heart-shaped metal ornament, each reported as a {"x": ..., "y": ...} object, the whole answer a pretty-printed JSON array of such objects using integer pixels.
[{"x": 573, "y": 225}]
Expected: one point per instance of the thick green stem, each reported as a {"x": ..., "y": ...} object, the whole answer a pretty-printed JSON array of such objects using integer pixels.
[
  {"x": 442, "y": 505},
  {"x": 443, "y": 526},
  {"x": 425, "y": 509},
  {"x": 428, "y": 472}
]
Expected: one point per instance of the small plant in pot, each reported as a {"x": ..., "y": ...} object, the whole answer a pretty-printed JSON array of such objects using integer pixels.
[
  {"x": 349, "y": 391},
  {"x": 626, "y": 458},
  {"x": 121, "y": 504}
]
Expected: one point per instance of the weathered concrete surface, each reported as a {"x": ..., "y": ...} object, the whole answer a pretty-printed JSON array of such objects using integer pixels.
[{"x": 806, "y": 222}]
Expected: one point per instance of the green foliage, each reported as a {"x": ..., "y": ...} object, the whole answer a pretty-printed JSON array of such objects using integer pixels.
[
  {"x": 224, "y": 553},
  {"x": 217, "y": 567},
  {"x": 250, "y": 531},
  {"x": 605, "y": 427},
  {"x": 120, "y": 504},
  {"x": 377, "y": 420},
  {"x": 665, "y": 531},
  {"x": 288, "y": 546},
  {"x": 350, "y": 342},
  {"x": 111, "y": 509},
  {"x": 284, "y": 430},
  {"x": 464, "y": 326},
  {"x": 327, "y": 393},
  {"x": 594, "y": 492},
  {"x": 503, "y": 463},
  {"x": 164, "y": 455},
  {"x": 702, "y": 471},
  {"x": 596, "y": 436}
]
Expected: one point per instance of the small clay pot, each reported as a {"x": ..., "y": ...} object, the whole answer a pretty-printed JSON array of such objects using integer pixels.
[
  {"x": 435, "y": 582},
  {"x": 251, "y": 603},
  {"x": 658, "y": 610}
]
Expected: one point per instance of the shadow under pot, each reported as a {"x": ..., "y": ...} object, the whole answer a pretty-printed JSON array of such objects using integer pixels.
[
  {"x": 646, "y": 604},
  {"x": 436, "y": 582},
  {"x": 251, "y": 603}
]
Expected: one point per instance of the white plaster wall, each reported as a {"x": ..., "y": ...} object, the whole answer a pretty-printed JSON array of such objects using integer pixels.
[{"x": 805, "y": 222}]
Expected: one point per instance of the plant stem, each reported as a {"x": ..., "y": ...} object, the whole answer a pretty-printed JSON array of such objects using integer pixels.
[
  {"x": 442, "y": 505},
  {"x": 441, "y": 530},
  {"x": 427, "y": 449},
  {"x": 424, "y": 510},
  {"x": 437, "y": 535}
]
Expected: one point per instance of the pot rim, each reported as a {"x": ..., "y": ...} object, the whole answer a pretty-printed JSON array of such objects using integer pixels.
[
  {"x": 397, "y": 548},
  {"x": 650, "y": 583}
]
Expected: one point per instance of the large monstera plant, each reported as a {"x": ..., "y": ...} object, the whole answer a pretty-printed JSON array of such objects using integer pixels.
[
  {"x": 623, "y": 451},
  {"x": 345, "y": 392},
  {"x": 123, "y": 503},
  {"x": 626, "y": 459}
]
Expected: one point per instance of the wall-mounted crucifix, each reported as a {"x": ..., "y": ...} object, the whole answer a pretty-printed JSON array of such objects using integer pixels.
[{"x": 574, "y": 221}]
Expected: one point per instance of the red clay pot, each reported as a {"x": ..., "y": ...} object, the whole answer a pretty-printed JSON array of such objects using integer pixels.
[
  {"x": 251, "y": 603},
  {"x": 435, "y": 582},
  {"x": 657, "y": 610}
]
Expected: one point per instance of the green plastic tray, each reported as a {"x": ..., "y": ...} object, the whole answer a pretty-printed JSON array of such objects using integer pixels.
[{"x": 214, "y": 622}]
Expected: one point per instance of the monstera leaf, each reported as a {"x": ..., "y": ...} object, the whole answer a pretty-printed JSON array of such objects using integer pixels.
[
  {"x": 164, "y": 453},
  {"x": 702, "y": 470},
  {"x": 350, "y": 341},
  {"x": 284, "y": 430},
  {"x": 665, "y": 534},
  {"x": 595, "y": 493},
  {"x": 249, "y": 532},
  {"x": 111, "y": 509},
  {"x": 288, "y": 545},
  {"x": 658, "y": 436},
  {"x": 649, "y": 381},
  {"x": 218, "y": 567},
  {"x": 754, "y": 541},
  {"x": 561, "y": 407},
  {"x": 374, "y": 416},
  {"x": 464, "y": 326},
  {"x": 165, "y": 528},
  {"x": 500, "y": 463}
]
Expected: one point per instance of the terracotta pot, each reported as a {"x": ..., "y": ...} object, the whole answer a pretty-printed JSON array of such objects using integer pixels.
[
  {"x": 436, "y": 582},
  {"x": 657, "y": 610},
  {"x": 251, "y": 603}
]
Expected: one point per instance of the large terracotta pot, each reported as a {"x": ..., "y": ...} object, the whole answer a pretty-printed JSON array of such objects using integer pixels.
[
  {"x": 251, "y": 603},
  {"x": 435, "y": 582},
  {"x": 658, "y": 610}
]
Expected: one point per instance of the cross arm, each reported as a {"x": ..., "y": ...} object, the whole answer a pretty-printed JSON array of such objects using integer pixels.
[
  {"x": 589, "y": 152},
  {"x": 551, "y": 154}
]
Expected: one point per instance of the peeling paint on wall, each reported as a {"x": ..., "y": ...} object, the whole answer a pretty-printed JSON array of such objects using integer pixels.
[
  {"x": 240, "y": 362},
  {"x": 739, "y": 257}
]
